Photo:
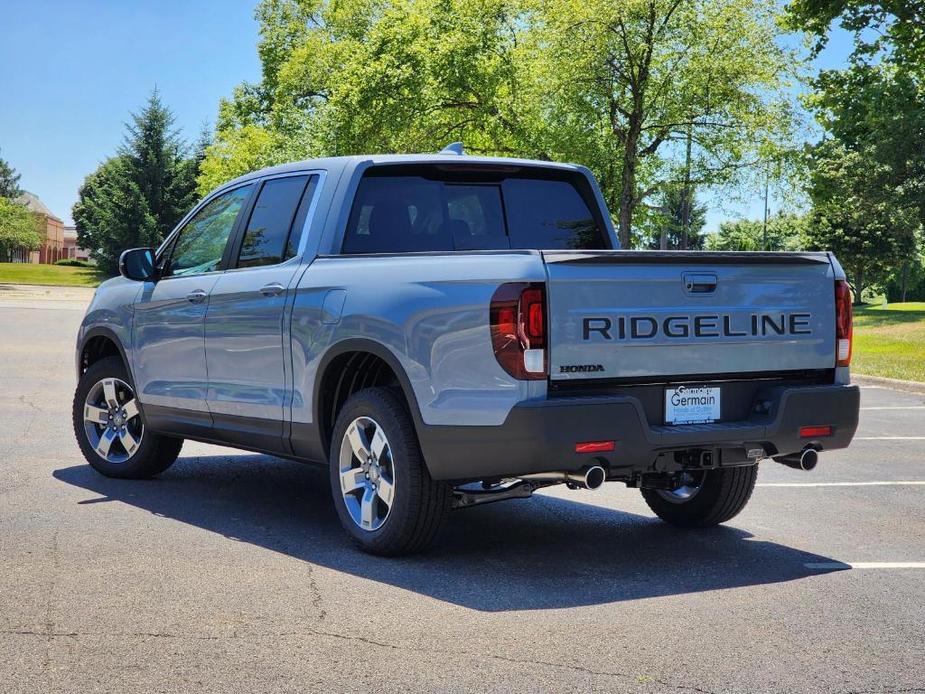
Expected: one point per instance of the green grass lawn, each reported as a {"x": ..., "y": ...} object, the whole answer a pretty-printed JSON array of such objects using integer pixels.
[
  {"x": 890, "y": 341},
  {"x": 27, "y": 273}
]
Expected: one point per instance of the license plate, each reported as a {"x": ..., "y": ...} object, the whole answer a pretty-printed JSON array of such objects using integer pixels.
[{"x": 686, "y": 405}]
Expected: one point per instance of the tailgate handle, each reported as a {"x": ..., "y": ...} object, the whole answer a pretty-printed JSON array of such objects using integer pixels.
[{"x": 699, "y": 283}]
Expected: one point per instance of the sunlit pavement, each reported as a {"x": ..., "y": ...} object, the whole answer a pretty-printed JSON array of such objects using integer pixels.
[{"x": 230, "y": 573}]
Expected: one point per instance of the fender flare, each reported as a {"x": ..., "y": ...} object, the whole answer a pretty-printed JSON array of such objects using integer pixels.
[
  {"x": 110, "y": 334},
  {"x": 359, "y": 344}
]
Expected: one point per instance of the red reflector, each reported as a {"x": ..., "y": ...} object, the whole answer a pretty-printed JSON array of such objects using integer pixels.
[
  {"x": 594, "y": 447},
  {"x": 814, "y": 432}
]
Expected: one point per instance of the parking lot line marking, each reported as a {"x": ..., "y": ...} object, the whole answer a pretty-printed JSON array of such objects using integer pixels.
[
  {"x": 889, "y": 438},
  {"x": 897, "y": 483},
  {"x": 866, "y": 565},
  {"x": 895, "y": 407}
]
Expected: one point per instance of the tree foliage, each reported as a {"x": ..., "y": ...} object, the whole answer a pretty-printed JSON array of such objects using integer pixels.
[
  {"x": 896, "y": 27},
  {"x": 785, "y": 232},
  {"x": 617, "y": 86},
  {"x": 867, "y": 175},
  {"x": 858, "y": 217},
  {"x": 667, "y": 221},
  {"x": 643, "y": 77},
  {"x": 19, "y": 229},
  {"x": 136, "y": 197},
  {"x": 9, "y": 181}
]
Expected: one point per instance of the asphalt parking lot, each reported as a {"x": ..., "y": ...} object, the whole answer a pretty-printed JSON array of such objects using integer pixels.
[{"x": 230, "y": 572}]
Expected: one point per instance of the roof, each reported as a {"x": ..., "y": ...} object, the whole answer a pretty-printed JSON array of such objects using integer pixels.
[
  {"x": 352, "y": 162},
  {"x": 32, "y": 202}
]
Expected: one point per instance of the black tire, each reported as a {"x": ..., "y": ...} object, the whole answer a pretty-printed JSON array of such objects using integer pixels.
[
  {"x": 722, "y": 494},
  {"x": 154, "y": 454},
  {"x": 419, "y": 504}
]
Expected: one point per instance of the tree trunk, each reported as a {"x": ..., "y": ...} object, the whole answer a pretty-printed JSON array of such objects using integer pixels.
[
  {"x": 905, "y": 280},
  {"x": 628, "y": 182},
  {"x": 859, "y": 278},
  {"x": 686, "y": 196}
]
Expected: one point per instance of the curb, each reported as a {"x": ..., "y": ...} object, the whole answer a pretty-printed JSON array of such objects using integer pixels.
[
  {"x": 891, "y": 383},
  {"x": 25, "y": 287}
]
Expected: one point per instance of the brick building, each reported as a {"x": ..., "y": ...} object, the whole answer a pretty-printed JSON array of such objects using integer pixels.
[
  {"x": 71, "y": 249},
  {"x": 52, "y": 248}
]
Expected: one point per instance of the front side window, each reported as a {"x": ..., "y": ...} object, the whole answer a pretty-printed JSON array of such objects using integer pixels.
[
  {"x": 267, "y": 235},
  {"x": 201, "y": 243}
]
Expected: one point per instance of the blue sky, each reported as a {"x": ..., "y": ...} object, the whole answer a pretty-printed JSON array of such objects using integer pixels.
[{"x": 72, "y": 72}]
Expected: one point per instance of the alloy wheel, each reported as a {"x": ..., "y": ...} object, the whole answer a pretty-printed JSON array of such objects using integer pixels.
[
  {"x": 112, "y": 420},
  {"x": 367, "y": 473}
]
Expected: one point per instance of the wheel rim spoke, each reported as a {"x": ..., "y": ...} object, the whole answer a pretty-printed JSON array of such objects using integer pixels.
[
  {"x": 128, "y": 441},
  {"x": 378, "y": 444},
  {"x": 106, "y": 439},
  {"x": 96, "y": 415},
  {"x": 386, "y": 490},
  {"x": 358, "y": 442},
  {"x": 109, "y": 392},
  {"x": 351, "y": 480},
  {"x": 131, "y": 409},
  {"x": 368, "y": 509}
]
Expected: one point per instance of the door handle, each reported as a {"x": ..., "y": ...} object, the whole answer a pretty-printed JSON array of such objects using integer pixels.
[
  {"x": 273, "y": 289},
  {"x": 197, "y": 296}
]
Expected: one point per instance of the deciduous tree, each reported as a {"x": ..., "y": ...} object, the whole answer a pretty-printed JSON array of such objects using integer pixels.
[{"x": 19, "y": 229}]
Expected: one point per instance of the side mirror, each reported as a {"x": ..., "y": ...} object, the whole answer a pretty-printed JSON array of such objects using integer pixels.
[{"x": 137, "y": 264}]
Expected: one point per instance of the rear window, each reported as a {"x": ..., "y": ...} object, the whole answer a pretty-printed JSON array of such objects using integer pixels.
[{"x": 464, "y": 212}]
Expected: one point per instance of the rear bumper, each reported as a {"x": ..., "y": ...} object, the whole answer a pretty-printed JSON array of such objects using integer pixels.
[{"x": 540, "y": 436}]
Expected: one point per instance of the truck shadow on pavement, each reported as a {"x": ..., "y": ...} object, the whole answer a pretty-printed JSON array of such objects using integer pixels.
[{"x": 518, "y": 555}]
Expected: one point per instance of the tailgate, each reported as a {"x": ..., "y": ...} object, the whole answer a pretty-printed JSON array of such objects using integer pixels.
[{"x": 644, "y": 315}]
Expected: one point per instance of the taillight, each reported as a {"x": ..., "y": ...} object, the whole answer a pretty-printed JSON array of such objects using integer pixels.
[
  {"x": 843, "y": 327},
  {"x": 518, "y": 329}
]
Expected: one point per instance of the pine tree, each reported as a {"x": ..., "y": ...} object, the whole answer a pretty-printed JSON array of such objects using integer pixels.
[
  {"x": 138, "y": 196},
  {"x": 9, "y": 181}
]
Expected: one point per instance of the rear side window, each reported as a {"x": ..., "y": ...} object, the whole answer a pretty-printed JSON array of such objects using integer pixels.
[
  {"x": 405, "y": 213},
  {"x": 267, "y": 236}
]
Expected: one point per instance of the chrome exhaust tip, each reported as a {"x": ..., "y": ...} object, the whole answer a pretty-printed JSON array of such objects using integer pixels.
[
  {"x": 808, "y": 459},
  {"x": 594, "y": 477},
  {"x": 804, "y": 460}
]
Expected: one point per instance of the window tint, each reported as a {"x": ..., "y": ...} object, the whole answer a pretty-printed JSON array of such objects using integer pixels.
[
  {"x": 548, "y": 214},
  {"x": 201, "y": 243},
  {"x": 475, "y": 217},
  {"x": 267, "y": 233},
  {"x": 395, "y": 214}
]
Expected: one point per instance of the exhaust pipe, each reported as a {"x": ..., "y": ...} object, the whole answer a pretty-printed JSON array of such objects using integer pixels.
[
  {"x": 804, "y": 460},
  {"x": 589, "y": 478}
]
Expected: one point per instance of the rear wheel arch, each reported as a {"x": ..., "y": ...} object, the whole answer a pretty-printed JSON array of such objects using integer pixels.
[{"x": 350, "y": 366}]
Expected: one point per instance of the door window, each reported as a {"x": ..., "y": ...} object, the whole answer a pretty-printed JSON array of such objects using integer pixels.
[
  {"x": 266, "y": 237},
  {"x": 201, "y": 243}
]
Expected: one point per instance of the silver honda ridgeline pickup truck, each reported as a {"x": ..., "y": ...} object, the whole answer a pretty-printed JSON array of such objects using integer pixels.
[{"x": 443, "y": 331}]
